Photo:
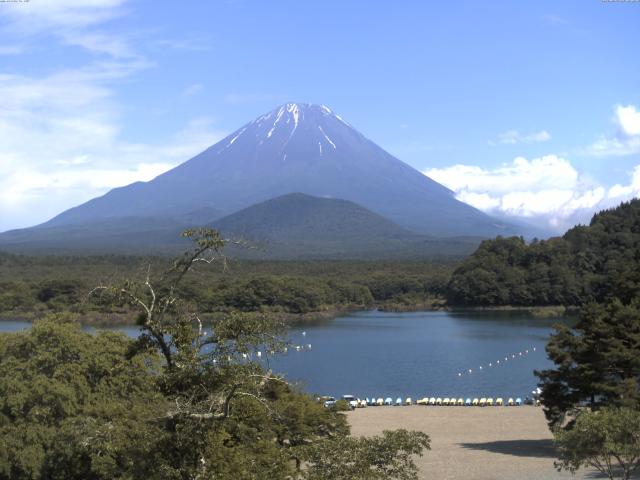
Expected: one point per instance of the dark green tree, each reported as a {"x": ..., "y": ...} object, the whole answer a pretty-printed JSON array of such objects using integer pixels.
[
  {"x": 597, "y": 361},
  {"x": 598, "y": 262},
  {"x": 75, "y": 405},
  {"x": 389, "y": 456},
  {"x": 607, "y": 440}
]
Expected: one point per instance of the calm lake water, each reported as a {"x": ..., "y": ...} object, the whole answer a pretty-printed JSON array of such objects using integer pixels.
[{"x": 412, "y": 354}]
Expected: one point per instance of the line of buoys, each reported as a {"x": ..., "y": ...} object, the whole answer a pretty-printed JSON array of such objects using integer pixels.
[{"x": 498, "y": 362}]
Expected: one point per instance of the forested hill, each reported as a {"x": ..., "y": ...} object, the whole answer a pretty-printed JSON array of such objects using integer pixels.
[{"x": 587, "y": 263}]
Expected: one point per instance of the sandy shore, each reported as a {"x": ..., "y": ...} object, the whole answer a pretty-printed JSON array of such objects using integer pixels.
[{"x": 467, "y": 443}]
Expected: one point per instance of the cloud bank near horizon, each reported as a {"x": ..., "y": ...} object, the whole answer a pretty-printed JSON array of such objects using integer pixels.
[{"x": 549, "y": 191}]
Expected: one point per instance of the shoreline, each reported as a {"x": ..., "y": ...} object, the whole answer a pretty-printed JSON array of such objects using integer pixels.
[
  {"x": 114, "y": 319},
  {"x": 98, "y": 319}
]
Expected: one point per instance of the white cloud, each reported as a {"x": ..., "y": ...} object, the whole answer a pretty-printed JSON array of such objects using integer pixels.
[
  {"x": 629, "y": 119},
  {"x": 11, "y": 49},
  {"x": 627, "y": 139},
  {"x": 192, "y": 89},
  {"x": 60, "y": 132},
  {"x": 72, "y": 22},
  {"x": 546, "y": 173},
  {"x": 547, "y": 190},
  {"x": 40, "y": 184},
  {"x": 117, "y": 47},
  {"x": 512, "y": 137},
  {"x": 625, "y": 192},
  {"x": 42, "y": 15}
]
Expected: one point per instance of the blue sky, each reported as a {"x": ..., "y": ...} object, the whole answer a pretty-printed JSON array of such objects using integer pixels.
[{"x": 527, "y": 109}]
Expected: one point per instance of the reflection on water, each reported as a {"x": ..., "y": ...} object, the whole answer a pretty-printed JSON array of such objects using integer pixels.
[{"x": 412, "y": 354}]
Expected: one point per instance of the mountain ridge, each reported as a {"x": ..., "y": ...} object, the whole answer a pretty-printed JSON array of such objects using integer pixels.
[
  {"x": 302, "y": 148},
  {"x": 295, "y": 148},
  {"x": 297, "y": 225},
  {"x": 293, "y": 226}
]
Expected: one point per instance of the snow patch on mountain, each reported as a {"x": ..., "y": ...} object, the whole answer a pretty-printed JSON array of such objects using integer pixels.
[
  {"x": 240, "y": 132},
  {"x": 327, "y": 137}
]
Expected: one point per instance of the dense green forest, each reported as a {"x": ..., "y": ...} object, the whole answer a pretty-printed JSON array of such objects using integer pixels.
[
  {"x": 176, "y": 403},
  {"x": 588, "y": 263},
  {"x": 32, "y": 285}
]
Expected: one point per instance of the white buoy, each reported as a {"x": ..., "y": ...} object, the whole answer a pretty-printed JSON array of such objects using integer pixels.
[
  {"x": 480, "y": 367},
  {"x": 520, "y": 353},
  {"x": 534, "y": 349},
  {"x": 470, "y": 370},
  {"x": 498, "y": 362},
  {"x": 490, "y": 364},
  {"x": 304, "y": 334},
  {"x": 309, "y": 346},
  {"x": 259, "y": 354}
]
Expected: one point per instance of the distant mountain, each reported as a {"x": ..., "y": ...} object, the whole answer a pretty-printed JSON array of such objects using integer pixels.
[
  {"x": 301, "y": 226},
  {"x": 296, "y": 216},
  {"x": 292, "y": 226},
  {"x": 131, "y": 235},
  {"x": 295, "y": 148}
]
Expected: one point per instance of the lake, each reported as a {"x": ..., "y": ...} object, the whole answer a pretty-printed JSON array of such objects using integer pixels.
[{"x": 412, "y": 354}]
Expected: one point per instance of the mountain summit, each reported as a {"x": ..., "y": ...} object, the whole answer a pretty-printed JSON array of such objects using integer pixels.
[{"x": 295, "y": 148}]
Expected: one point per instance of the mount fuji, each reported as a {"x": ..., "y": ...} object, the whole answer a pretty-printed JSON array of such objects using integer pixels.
[{"x": 296, "y": 148}]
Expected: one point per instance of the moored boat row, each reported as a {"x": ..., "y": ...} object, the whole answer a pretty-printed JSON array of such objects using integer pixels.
[
  {"x": 446, "y": 401},
  {"x": 354, "y": 402}
]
